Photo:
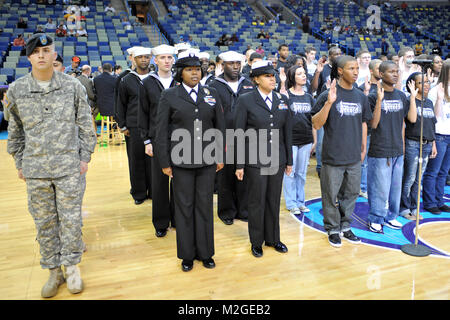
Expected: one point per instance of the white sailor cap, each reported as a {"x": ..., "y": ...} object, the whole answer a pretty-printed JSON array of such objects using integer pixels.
[
  {"x": 141, "y": 51},
  {"x": 163, "y": 49},
  {"x": 182, "y": 46},
  {"x": 203, "y": 55},
  {"x": 230, "y": 56},
  {"x": 131, "y": 50}
]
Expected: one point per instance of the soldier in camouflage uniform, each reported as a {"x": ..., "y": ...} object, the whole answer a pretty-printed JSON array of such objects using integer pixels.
[{"x": 51, "y": 137}]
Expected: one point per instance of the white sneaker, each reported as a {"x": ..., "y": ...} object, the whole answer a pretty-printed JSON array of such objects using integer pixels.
[
  {"x": 375, "y": 227},
  {"x": 364, "y": 194},
  {"x": 304, "y": 209},
  {"x": 73, "y": 279},
  {"x": 295, "y": 211},
  {"x": 393, "y": 224}
]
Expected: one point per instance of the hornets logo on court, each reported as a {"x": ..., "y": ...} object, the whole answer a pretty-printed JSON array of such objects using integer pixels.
[{"x": 390, "y": 239}]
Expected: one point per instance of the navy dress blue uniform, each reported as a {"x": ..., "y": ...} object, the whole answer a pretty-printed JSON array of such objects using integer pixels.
[
  {"x": 130, "y": 95},
  {"x": 264, "y": 190},
  {"x": 232, "y": 193},
  {"x": 193, "y": 179},
  {"x": 162, "y": 203}
]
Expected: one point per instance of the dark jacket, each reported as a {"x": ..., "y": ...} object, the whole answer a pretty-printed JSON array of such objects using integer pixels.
[
  {"x": 148, "y": 110},
  {"x": 176, "y": 110},
  {"x": 104, "y": 88},
  {"x": 131, "y": 94},
  {"x": 229, "y": 98},
  {"x": 253, "y": 113}
]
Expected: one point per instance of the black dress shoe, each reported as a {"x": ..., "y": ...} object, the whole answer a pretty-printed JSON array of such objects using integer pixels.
[
  {"x": 444, "y": 208},
  {"x": 161, "y": 233},
  {"x": 138, "y": 202},
  {"x": 228, "y": 221},
  {"x": 280, "y": 246},
  {"x": 209, "y": 263},
  {"x": 187, "y": 265},
  {"x": 257, "y": 251},
  {"x": 434, "y": 210}
]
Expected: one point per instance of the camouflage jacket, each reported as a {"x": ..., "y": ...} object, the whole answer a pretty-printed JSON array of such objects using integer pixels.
[{"x": 50, "y": 130}]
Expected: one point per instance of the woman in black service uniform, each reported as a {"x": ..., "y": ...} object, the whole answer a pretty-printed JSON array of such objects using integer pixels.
[
  {"x": 190, "y": 108},
  {"x": 264, "y": 111}
]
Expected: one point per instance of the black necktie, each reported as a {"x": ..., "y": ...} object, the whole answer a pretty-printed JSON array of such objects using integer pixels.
[
  {"x": 193, "y": 95},
  {"x": 268, "y": 102}
]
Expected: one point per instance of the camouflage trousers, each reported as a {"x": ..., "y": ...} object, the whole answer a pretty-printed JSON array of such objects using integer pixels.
[{"x": 55, "y": 205}]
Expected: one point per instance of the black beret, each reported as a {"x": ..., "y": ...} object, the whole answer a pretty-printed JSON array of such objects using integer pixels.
[
  {"x": 36, "y": 41},
  {"x": 60, "y": 59}
]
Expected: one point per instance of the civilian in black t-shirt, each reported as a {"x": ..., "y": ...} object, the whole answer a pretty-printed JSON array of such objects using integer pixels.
[
  {"x": 385, "y": 156},
  {"x": 303, "y": 139},
  {"x": 319, "y": 83},
  {"x": 411, "y": 173},
  {"x": 343, "y": 111},
  {"x": 369, "y": 86}
]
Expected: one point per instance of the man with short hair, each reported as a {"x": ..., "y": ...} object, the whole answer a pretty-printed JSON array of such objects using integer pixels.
[
  {"x": 343, "y": 111},
  {"x": 131, "y": 94},
  {"x": 385, "y": 155},
  {"x": 311, "y": 63},
  {"x": 232, "y": 193},
  {"x": 154, "y": 84},
  {"x": 51, "y": 137},
  {"x": 86, "y": 81},
  {"x": 363, "y": 57},
  {"x": 283, "y": 54},
  {"x": 104, "y": 85},
  {"x": 405, "y": 67}
]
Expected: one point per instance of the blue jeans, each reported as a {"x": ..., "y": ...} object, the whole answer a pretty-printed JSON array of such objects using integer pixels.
[
  {"x": 410, "y": 184},
  {"x": 319, "y": 149},
  {"x": 384, "y": 188},
  {"x": 436, "y": 174},
  {"x": 294, "y": 184},
  {"x": 364, "y": 168}
]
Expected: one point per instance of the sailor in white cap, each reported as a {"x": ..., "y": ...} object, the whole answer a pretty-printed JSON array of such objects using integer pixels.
[
  {"x": 267, "y": 113},
  {"x": 183, "y": 46},
  {"x": 232, "y": 193},
  {"x": 204, "y": 59},
  {"x": 130, "y": 95},
  {"x": 130, "y": 52},
  {"x": 154, "y": 84}
]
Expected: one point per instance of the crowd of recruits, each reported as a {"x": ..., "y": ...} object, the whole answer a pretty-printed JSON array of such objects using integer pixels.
[{"x": 150, "y": 106}]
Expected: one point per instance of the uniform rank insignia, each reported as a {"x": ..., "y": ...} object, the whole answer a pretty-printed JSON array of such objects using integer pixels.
[
  {"x": 210, "y": 100},
  {"x": 282, "y": 106},
  {"x": 206, "y": 91},
  {"x": 247, "y": 87}
]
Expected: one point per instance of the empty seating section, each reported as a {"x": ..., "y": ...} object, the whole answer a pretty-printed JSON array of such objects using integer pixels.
[
  {"x": 208, "y": 20},
  {"x": 107, "y": 39},
  {"x": 318, "y": 10}
]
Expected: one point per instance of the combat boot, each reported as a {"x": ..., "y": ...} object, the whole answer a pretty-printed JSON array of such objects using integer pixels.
[
  {"x": 56, "y": 279},
  {"x": 73, "y": 278}
]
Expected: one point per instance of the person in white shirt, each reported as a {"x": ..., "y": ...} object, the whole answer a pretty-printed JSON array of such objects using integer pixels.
[
  {"x": 50, "y": 24},
  {"x": 311, "y": 62},
  {"x": 363, "y": 57},
  {"x": 110, "y": 8},
  {"x": 435, "y": 175},
  {"x": 81, "y": 32}
]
